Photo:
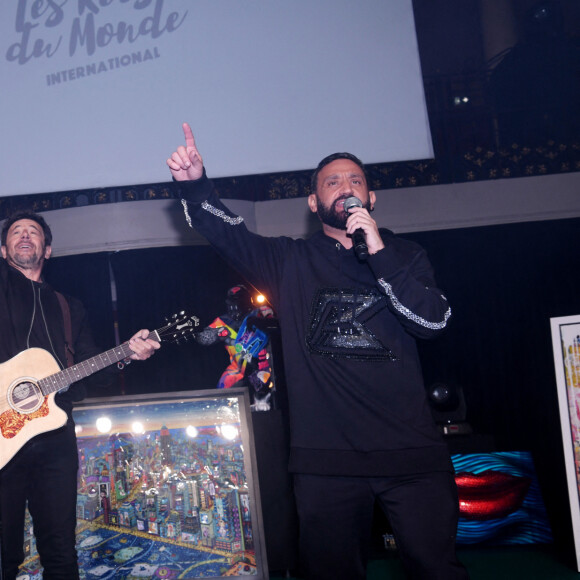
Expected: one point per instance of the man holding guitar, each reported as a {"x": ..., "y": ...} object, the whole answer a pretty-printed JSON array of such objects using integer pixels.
[{"x": 35, "y": 320}]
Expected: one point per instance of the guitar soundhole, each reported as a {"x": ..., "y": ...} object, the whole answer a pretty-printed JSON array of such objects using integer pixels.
[{"x": 25, "y": 396}]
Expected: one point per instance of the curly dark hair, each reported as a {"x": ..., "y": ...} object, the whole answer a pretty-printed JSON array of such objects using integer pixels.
[{"x": 26, "y": 215}]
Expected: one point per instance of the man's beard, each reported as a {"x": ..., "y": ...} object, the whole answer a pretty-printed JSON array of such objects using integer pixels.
[
  {"x": 330, "y": 216},
  {"x": 26, "y": 262}
]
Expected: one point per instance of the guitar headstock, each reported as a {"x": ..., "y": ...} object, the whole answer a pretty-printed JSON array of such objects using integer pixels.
[{"x": 180, "y": 326}]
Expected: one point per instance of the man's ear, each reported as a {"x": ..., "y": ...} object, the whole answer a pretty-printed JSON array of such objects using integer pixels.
[
  {"x": 312, "y": 203},
  {"x": 372, "y": 199},
  {"x": 3, "y": 250},
  {"x": 47, "y": 252}
]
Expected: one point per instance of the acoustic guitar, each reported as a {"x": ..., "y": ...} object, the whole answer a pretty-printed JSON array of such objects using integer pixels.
[{"x": 30, "y": 380}]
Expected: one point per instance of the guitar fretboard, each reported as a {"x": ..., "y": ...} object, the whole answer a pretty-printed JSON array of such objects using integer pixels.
[{"x": 66, "y": 377}]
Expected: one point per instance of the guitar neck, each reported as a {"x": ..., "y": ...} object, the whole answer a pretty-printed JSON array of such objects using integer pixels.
[{"x": 62, "y": 379}]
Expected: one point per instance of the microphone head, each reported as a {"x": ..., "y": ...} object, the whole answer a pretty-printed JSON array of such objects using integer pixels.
[{"x": 351, "y": 202}]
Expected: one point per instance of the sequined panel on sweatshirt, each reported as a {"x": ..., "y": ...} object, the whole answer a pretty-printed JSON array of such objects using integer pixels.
[{"x": 337, "y": 325}]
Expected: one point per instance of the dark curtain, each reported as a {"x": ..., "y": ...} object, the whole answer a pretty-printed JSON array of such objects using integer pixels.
[
  {"x": 156, "y": 283},
  {"x": 504, "y": 283},
  {"x": 86, "y": 277}
]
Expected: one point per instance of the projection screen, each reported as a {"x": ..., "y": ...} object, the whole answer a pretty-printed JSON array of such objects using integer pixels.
[{"x": 95, "y": 91}]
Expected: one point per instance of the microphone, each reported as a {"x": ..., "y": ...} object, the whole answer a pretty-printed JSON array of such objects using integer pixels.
[{"x": 359, "y": 242}]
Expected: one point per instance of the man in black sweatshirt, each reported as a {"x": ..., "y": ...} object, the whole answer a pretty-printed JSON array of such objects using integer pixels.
[{"x": 360, "y": 425}]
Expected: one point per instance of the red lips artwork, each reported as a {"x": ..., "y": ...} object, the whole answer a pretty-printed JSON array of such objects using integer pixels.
[{"x": 490, "y": 494}]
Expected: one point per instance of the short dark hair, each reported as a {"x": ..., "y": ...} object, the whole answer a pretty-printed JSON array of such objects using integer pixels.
[
  {"x": 329, "y": 159},
  {"x": 26, "y": 215}
]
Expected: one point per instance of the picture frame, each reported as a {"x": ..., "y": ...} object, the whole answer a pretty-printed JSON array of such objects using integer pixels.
[
  {"x": 168, "y": 487},
  {"x": 566, "y": 346}
]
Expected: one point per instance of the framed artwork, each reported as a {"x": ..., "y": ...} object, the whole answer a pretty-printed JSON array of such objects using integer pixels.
[
  {"x": 566, "y": 346},
  {"x": 168, "y": 488}
]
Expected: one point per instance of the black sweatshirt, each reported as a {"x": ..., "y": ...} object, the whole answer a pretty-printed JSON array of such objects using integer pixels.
[{"x": 358, "y": 405}]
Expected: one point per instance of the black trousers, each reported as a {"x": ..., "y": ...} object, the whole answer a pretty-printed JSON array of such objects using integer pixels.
[
  {"x": 335, "y": 515},
  {"x": 44, "y": 473}
]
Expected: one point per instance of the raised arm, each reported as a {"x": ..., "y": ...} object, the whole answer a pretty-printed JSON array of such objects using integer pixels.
[{"x": 186, "y": 163}]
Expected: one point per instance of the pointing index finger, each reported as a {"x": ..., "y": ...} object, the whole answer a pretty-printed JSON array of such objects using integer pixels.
[{"x": 189, "y": 140}]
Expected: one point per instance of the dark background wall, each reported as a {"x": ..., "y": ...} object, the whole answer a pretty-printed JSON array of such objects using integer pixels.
[{"x": 504, "y": 283}]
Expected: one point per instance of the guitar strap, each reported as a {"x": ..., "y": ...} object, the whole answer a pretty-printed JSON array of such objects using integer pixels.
[{"x": 67, "y": 329}]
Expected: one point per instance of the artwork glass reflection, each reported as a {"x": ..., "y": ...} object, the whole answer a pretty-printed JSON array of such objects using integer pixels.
[{"x": 167, "y": 488}]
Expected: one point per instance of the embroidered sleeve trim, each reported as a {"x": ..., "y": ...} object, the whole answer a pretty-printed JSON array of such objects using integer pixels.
[
  {"x": 232, "y": 221},
  {"x": 411, "y": 315}
]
